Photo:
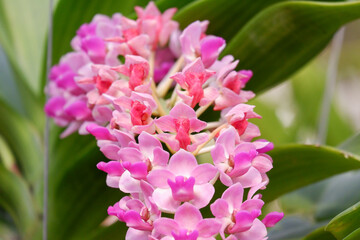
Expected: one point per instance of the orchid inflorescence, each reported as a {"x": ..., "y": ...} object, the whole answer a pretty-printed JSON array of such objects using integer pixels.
[{"x": 143, "y": 88}]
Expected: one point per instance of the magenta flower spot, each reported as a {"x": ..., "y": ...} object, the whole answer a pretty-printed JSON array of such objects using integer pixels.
[{"x": 150, "y": 118}]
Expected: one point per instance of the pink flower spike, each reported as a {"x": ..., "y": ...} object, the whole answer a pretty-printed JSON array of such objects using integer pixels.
[
  {"x": 187, "y": 224},
  {"x": 135, "y": 213}
]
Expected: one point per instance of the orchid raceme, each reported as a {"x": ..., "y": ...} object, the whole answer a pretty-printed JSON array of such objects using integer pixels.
[{"x": 147, "y": 114}]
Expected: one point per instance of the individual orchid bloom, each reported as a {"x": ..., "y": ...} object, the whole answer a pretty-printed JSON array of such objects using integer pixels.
[
  {"x": 239, "y": 162},
  {"x": 93, "y": 45},
  {"x": 240, "y": 219},
  {"x": 64, "y": 73},
  {"x": 130, "y": 41},
  {"x": 238, "y": 116},
  {"x": 140, "y": 159},
  {"x": 230, "y": 90},
  {"x": 195, "y": 44},
  {"x": 72, "y": 113},
  {"x": 90, "y": 39},
  {"x": 102, "y": 79},
  {"x": 136, "y": 112},
  {"x": 67, "y": 101},
  {"x": 137, "y": 213},
  {"x": 192, "y": 79},
  {"x": 182, "y": 121},
  {"x": 182, "y": 181},
  {"x": 156, "y": 25},
  {"x": 110, "y": 141},
  {"x": 187, "y": 224},
  {"x": 230, "y": 84},
  {"x": 136, "y": 68}
]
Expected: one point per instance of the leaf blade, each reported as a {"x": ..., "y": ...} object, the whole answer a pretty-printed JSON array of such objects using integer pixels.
[
  {"x": 283, "y": 37},
  {"x": 298, "y": 165}
]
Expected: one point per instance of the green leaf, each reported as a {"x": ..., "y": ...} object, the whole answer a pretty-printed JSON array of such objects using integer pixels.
[
  {"x": 116, "y": 230},
  {"x": 291, "y": 228},
  {"x": 282, "y": 38},
  {"x": 345, "y": 223},
  {"x": 226, "y": 17},
  {"x": 355, "y": 235},
  {"x": 320, "y": 234},
  {"x": 339, "y": 191},
  {"x": 17, "y": 201},
  {"x": 338, "y": 195},
  {"x": 17, "y": 94},
  {"x": 24, "y": 141},
  {"x": 78, "y": 195},
  {"x": 8, "y": 89},
  {"x": 22, "y": 34},
  {"x": 298, "y": 165}
]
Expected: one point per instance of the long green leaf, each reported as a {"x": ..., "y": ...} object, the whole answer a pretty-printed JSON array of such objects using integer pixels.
[
  {"x": 355, "y": 235},
  {"x": 285, "y": 36},
  {"x": 320, "y": 234},
  {"x": 226, "y": 17},
  {"x": 296, "y": 166},
  {"x": 22, "y": 34},
  {"x": 338, "y": 193},
  {"x": 78, "y": 195},
  {"x": 17, "y": 201},
  {"x": 345, "y": 223},
  {"x": 24, "y": 141}
]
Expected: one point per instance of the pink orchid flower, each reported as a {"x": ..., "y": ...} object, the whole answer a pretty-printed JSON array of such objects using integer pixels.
[
  {"x": 192, "y": 79},
  {"x": 238, "y": 117},
  {"x": 239, "y": 219},
  {"x": 136, "y": 112},
  {"x": 181, "y": 120},
  {"x": 156, "y": 25},
  {"x": 183, "y": 181},
  {"x": 195, "y": 44},
  {"x": 239, "y": 162},
  {"x": 136, "y": 68},
  {"x": 187, "y": 224}
]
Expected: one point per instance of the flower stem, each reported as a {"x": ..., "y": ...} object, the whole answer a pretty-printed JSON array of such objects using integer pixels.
[
  {"x": 165, "y": 84},
  {"x": 206, "y": 149},
  {"x": 330, "y": 86},
  {"x": 211, "y": 125},
  {"x": 174, "y": 96},
  {"x": 160, "y": 108},
  {"x": 211, "y": 137},
  {"x": 202, "y": 109}
]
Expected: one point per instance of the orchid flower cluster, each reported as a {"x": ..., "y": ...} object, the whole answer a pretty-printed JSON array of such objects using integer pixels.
[{"x": 143, "y": 88}]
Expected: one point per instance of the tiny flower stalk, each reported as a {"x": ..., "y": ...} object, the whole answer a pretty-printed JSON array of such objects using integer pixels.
[{"x": 144, "y": 113}]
